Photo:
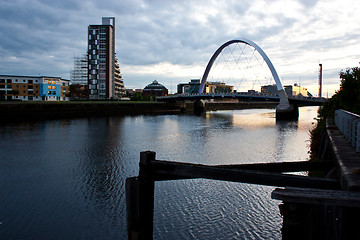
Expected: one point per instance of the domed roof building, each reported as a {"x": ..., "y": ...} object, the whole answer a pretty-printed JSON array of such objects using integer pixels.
[{"x": 155, "y": 89}]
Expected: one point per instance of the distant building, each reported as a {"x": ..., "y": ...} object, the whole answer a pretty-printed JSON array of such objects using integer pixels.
[
  {"x": 130, "y": 91},
  {"x": 218, "y": 87},
  {"x": 269, "y": 89},
  {"x": 155, "y": 89},
  {"x": 290, "y": 90},
  {"x": 295, "y": 90},
  {"x": 29, "y": 88},
  {"x": 189, "y": 88},
  {"x": 210, "y": 87}
]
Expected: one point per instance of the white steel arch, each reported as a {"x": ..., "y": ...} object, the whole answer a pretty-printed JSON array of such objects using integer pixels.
[
  {"x": 284, "y": 102},
  {"x": 246, "y": 41}
]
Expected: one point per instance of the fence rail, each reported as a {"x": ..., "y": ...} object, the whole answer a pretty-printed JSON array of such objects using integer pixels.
[{"x": 349, "y": 125}]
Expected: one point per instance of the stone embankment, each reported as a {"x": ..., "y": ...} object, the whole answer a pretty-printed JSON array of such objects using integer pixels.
[{"x": 48, "y": 110}]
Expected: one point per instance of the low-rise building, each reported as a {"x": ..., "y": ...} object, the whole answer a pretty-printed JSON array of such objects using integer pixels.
[
  {"x": 210, "y": 87},
  {"x": 189, "y": 88},
  {"x": 289, "y": 89},
  {"x": 155, "y": 89},
  {"x": 218, "y": 87},
  {"x": 30, "y": 88},
  {"x": 269, "y": 89},
  {"x": 296, "y": 90}
]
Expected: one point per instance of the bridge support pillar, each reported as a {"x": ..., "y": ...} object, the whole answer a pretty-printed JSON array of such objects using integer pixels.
[
  {"x": 199, "y": 106},
  {"x": 285, "y": 110},
  {"x": 291, "y": 113}
]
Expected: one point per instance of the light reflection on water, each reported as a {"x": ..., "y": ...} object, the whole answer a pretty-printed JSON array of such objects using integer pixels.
[{"x": 65, "y": 179}]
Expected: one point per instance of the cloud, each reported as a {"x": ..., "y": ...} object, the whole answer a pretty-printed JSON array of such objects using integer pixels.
[{"x": 179, "y": 36}]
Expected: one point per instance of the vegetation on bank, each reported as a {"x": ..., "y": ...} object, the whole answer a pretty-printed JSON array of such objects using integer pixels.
[{"x": 347, "y": 98}]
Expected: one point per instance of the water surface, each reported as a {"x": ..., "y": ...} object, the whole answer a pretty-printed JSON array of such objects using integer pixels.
[{"x": 64, "y": 179}]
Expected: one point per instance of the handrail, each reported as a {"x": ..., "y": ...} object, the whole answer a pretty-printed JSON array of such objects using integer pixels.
[{"x": 349, "y": 124}]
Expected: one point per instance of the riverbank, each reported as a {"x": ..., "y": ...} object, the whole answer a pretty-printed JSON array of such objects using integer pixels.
[{"x": 10, "y": 111}]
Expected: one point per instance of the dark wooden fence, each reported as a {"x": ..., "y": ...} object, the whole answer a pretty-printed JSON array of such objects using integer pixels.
[{"x": 140, "y": 190}]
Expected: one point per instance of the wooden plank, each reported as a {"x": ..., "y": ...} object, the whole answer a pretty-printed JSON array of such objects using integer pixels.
[
  {"x": 165, "y": 170},
  {"x": 317, "y": 196},
  {"x": 284, "y": 166}
]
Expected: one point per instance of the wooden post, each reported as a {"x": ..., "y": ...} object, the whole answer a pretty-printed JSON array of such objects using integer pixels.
[{"x": 140, "y": 200}]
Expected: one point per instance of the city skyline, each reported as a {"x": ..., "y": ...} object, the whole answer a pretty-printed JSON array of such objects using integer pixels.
[{"x": 172, "y": 41}]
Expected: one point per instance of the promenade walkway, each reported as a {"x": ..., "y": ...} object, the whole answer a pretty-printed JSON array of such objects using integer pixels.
[{"x": 344, "y": 151}]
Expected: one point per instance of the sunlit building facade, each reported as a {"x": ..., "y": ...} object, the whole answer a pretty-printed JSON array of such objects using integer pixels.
[
  {"x": 295, "y": 90},
  {"x": 210, "y": 87}
]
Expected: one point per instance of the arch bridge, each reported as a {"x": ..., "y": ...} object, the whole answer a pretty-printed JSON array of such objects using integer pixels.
[{"x": 284, "y": 110}]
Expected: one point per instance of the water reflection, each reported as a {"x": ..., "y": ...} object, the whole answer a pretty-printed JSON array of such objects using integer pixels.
[{"x": 65, "y": 178}]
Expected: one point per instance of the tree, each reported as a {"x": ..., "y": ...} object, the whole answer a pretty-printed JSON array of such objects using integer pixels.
[
  {"x": 347, "y": 98},
  {"x": 349, "y": 93}
]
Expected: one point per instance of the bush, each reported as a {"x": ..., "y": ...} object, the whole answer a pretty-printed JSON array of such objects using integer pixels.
[{"x": 347, "y": 98}]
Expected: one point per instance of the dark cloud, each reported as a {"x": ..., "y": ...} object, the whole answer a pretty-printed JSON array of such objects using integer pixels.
[{"x": 43, "y": 36}]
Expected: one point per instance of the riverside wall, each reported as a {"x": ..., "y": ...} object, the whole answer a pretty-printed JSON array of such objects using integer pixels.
[{"x": 49, "y": 110}]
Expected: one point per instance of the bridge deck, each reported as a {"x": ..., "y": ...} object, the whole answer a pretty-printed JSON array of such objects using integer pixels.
[{"x": 299, "y": 100}]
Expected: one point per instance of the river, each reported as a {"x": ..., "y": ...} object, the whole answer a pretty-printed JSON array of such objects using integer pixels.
[{"x": 65, "y": 179}]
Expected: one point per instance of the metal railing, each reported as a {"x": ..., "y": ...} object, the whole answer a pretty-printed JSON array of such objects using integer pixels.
[{"x": 349, "y": 125}]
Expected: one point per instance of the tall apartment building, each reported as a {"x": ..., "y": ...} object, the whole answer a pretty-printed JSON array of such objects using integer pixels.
[
  {"x": 101, "y": 59},
  {"x": 29, "y": 88}
]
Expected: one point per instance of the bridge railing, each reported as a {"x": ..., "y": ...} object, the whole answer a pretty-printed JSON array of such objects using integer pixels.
[{"x": 349, "y": 125}]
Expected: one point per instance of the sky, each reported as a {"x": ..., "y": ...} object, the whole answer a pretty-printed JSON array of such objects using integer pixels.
[{"x": 172, "y": 41}]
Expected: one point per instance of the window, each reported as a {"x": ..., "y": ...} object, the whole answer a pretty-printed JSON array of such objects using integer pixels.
[
  {"x": 49, "y": 92},
  {"x": 49, "y": 87},
  {"x": 54, "y": 92},
  {"x": 53, "y": 87}
]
